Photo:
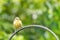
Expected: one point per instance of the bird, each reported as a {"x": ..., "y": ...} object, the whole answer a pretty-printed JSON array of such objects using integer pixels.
[{"x": 17, "y": 23}]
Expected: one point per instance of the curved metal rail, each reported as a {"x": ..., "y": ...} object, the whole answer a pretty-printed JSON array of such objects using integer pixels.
[{"x": 36, "y": 26}]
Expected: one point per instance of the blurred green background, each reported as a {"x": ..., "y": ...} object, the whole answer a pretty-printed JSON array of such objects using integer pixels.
[{"x": 39, "y": 12}]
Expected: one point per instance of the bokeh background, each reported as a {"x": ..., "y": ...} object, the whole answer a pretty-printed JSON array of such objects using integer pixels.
[{"x": 39, "y": 12}]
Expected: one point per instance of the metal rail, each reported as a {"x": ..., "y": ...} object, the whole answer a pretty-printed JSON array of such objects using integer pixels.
[{"x": 36, "y": 26}]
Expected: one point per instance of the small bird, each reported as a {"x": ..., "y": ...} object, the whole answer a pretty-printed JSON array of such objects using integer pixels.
[{"x": 17, "y": 23}]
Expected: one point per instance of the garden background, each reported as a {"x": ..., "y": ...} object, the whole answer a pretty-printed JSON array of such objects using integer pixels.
[{"x": 39, "y": 12}]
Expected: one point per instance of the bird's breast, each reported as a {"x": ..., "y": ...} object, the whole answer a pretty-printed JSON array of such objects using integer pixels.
[{"x": 17, "y": 24}]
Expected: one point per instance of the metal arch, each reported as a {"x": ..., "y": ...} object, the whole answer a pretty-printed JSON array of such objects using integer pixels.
[{"x": 37, "y": 26}]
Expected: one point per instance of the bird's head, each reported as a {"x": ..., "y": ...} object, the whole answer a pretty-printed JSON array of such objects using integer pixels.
[{"x": 17, "y": 18}]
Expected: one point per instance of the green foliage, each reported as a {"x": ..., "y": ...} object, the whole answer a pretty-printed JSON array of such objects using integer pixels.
[{"x": 41, "y": 12}]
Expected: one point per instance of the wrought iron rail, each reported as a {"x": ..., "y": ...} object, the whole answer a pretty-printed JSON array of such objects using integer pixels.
[{"x": 36, "y": 26}]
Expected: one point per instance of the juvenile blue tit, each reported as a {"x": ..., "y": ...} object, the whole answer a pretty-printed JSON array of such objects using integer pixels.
[{"x": 17, "y": 23}]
